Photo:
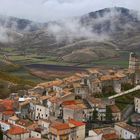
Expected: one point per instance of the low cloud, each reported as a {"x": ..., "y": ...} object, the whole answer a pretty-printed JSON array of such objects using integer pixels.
[
  {"x": 71, "y": 30},
  {"x": 98, "y": 29},
  {"x": 46, "y": 10}
]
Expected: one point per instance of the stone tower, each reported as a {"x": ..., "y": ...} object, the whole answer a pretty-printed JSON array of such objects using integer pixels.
[{"x": 133, "y": 61}]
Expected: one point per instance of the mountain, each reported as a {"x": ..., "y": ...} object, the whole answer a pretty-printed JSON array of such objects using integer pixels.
[
  {"x": 111, "y": 19},
  {"x": 18, "y": 24},
  {"x": 94, "y": 36}
]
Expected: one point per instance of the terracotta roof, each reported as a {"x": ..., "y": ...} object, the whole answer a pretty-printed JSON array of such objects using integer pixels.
[
  {"x": 54, "y": 99},
  {"x": 106, "y": 78},
  {"x": 82, "y": 75},
  {"x": 114, "y": 109},
  {"x": 16, "y": 130},
  {"x": 70, "y": 102},
  {"x": 128, "y": 127},
  {"x": 98, "y": 131},
  {"x": 120, "y": 75},
  {"x": 93, "y": 70},
  {"x": 15, "y": 118},
  {"x": 25, "y": 103},
  {"x": 60, "y": 126},
  {"x": 7, "y": 104},
  {"x": 71, "y": 79},
  {"x": 104, "y": 131},
  {"x": 23, "y": 122},
  {"x": 32, "y": 126},
  {"x": 95, "y": 81},
  {"x": 76, "y": 123},
  {"x": 51, "y": 83},
  {"x": 44, "y": 97},
  {"x": 5, "y": 122},
  {"x": 76, "y": 85},
  {"x": 112, "y": 136},
  {"x": 9, "y": 113},
  {"x": 73, "y": 107},
  {"x": 34, "y": 139}
]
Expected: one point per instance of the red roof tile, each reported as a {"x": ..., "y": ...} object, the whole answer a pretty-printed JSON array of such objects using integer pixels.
[
  {"x": 7, "y": 104},
  {"x": 61, "y": 126},
  {"x": 9, "y": 113},
  {"x": 16, "y": 130},
  {"x": 76, "y": 123},
  {"x": 112, "y": 136},
  {"x": 70, "y": 102}
]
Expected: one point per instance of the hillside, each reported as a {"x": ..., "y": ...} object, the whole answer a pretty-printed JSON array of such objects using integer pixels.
[{"x": 91, "y": 37}]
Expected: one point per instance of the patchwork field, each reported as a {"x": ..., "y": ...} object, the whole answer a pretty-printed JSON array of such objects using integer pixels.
[{"x": 38, "y": 68}]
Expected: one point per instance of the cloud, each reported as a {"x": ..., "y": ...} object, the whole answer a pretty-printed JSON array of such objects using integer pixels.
[
  {"x": 71, "y": 30},
  {"x": 45, "y": 10},
  {"x": 98, "y": 28}
]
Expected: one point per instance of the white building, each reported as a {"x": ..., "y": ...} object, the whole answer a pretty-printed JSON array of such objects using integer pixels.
[
  {"x": 35, "y": 134},
  {"x": 133, "y": 61},
  {"x": 126, "y": 131},
  {"x": 137, "y": 104},
  {"x": 44, "y": 124},
  {"x": 4, "y": 126},
  {"x": 94, "y": 135},
  {"x": 41, "y": 112}
]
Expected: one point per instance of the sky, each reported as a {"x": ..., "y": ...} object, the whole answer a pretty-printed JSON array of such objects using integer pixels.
[{"x": 48, "y": 10}]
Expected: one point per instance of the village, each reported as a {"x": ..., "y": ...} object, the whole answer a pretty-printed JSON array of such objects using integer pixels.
[{"x": 73, "y": 108}]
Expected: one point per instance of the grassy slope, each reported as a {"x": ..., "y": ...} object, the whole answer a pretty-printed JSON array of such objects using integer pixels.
[
  {"x": 14, "y": 79},
  {"x": 125, "y": 100}
]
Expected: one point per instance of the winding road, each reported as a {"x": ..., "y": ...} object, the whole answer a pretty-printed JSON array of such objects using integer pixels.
[{"x": 125, "y": 92}]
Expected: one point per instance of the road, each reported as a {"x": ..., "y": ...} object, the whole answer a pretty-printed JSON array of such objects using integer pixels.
[{"x": 125, "y": 92}]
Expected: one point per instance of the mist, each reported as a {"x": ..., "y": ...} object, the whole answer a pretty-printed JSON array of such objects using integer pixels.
[
  {"x": 48, "y": 10},
  {"x": 71, "y": 29}
]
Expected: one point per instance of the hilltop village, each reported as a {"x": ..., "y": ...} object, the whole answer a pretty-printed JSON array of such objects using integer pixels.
[{"x": 78, "y": 107}]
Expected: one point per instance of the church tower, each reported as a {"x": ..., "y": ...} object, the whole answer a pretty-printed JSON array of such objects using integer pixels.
[{"x": 133, "y": 61}]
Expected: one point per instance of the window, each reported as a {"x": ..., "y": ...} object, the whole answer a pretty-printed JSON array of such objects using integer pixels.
[{"x": 40, "y": 109}]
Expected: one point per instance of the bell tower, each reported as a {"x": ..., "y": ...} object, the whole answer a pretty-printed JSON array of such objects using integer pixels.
[{"x": 133, "y": 61}]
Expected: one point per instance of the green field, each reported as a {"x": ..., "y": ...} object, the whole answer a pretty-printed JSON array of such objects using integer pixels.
[
  {"x": 19, "y": 59},
  {"x": 125, "y": 100}
]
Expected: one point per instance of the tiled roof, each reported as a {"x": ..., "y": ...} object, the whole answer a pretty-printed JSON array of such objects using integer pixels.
[
  {"x": 7, "y": 104},
  {"x": 51, "y": 83},
  {"x": 44, "y": 97},
  {"x": 60, "y": 126},
  {"x": 71, "y": 79},
  {"x": 82, "y": 75},
  {"x": 15, "y": 118},
  {"x": 93, "y": 70},
  {"x": 106, "y": 78},
  {"x": 70, "y": 102},
  {"x": 76, "y": 123},
  {"x": 112, "y": 136},
  {"x": 16, "y": 130},
  {"x": 9, "y": 113},
  {"x": 114, "y": 109},
  {"x": 128, "y": 127},
  {"x": 34, "y": 139},
  {"x": 23, "y": 122}
]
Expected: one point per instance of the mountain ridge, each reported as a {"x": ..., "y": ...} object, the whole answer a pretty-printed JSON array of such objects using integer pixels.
[{"x": 117, "y": 26}]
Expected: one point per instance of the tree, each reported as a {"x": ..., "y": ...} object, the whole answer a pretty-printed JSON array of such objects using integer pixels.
[
  {"x": 129, "y": 121},
  {"x": 95, "y": 114},
  {"x": 1, "y": 134},
  {"x": 109, "y": 116}
]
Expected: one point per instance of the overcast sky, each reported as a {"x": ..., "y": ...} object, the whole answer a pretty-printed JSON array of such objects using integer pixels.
[{"x": 45, "y": 10}]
